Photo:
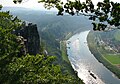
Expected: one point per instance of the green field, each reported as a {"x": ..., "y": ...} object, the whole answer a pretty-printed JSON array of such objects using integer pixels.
[{"x": 114, "y": 59}]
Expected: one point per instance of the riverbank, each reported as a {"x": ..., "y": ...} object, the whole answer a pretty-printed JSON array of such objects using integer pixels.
[
  {"x": 66, "y": 61},
  {"x": 64, "y": 51},
  {"x": 95, "y": 51}
]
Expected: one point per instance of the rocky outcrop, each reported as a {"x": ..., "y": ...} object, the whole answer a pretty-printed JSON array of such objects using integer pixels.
[{"x": 31, "y": 39}]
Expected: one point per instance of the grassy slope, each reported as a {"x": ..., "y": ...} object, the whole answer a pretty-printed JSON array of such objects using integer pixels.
[{"x": 99, "y": 56}]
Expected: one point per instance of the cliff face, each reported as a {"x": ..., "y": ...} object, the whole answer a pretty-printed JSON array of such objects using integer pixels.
[{"x": 31, "y": 39}]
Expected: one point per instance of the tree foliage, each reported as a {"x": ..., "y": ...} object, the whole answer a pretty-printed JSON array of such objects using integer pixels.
[
  {"x": 9, "y": 45},
  {"x": 105, "y": 16},
  {"x": 37, "y": 69}
]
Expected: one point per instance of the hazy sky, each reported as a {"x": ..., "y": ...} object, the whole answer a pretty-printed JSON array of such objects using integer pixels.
[
  {"x": 27, "y": 3},
  {"x": 34, "y": 3}
]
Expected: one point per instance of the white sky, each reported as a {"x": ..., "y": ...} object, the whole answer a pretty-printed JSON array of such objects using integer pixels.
[
  {"x": 34, "y": 3},
  {"x": 27, "y": 4}
]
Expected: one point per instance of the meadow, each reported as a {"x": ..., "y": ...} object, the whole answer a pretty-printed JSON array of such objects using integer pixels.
[{"x": 113, "y": 58}]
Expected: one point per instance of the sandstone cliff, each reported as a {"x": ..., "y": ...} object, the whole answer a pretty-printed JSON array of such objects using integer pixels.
[{"x": 31, "y": 40}]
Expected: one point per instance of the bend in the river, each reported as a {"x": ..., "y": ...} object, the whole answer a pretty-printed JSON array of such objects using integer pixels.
[{"x": 87, "y": 66}]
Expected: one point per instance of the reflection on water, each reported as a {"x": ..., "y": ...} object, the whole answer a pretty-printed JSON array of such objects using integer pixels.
[{"x": 88, "y": 68}]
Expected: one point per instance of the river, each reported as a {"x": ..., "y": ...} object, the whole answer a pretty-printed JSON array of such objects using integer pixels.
[{"x": 87, "y": 66}]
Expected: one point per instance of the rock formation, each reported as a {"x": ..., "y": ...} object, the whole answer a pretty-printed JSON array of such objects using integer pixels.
[{"x": 31, "y": 38}]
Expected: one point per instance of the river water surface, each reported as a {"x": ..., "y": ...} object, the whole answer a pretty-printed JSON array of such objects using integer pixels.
[{"x": 87, "y": 66}]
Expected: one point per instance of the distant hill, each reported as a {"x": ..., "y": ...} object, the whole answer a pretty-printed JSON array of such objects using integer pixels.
[
  {"x": 15, "y": 9},
  {"x": 22, "y": 9},
  {"x": 52, "y": 28}
]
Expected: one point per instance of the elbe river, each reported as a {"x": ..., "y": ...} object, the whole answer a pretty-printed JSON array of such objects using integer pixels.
[{"x": 87, "y": 66}]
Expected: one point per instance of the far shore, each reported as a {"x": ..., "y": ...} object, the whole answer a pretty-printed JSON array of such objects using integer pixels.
[{"x": 99, "y": 56}]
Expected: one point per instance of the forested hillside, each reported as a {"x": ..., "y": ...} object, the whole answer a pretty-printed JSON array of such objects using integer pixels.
[{"x": 52, "y": 28}]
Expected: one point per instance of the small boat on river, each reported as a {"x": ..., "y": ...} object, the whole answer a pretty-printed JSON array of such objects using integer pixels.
[{"x": 92, "y": 74}]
